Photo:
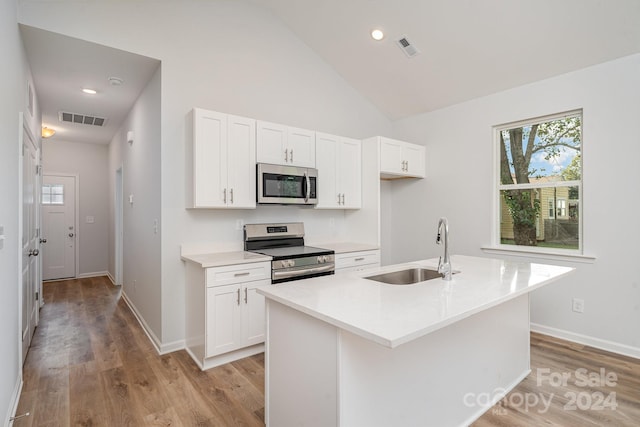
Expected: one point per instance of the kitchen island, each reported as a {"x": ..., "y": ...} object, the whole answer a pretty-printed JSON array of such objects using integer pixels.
[{"x": 345, "y": 350}]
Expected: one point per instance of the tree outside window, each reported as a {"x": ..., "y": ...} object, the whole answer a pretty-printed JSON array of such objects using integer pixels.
[{"x": 540, "y": 165}]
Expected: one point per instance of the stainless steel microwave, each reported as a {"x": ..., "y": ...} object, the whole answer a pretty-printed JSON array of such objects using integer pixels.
[{"x": 286, "y": 185}]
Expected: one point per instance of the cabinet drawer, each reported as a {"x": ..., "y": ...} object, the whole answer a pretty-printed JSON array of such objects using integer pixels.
[
  {"x": 220, "y": 276},
  {"x": 354, "y": 259}
]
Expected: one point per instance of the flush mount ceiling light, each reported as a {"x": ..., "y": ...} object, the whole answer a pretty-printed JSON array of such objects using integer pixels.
[
  {"x": 47, "y": 132},
  {"x": 377, "y": 34},
  {"x": 89, "y": 91}
]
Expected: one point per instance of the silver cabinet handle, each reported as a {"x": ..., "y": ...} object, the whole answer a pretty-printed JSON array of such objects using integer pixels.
[
  {"x": 338, "y": 198},
  {"x": 33, "y": 252},
  {"x": 291, "y": 155},
  {"x": 246, "y": 296},
  {"x": 343, "y": 199},
  {"x": 245, "y": 273},
  {"x": 224, "y": 195},
  {"x": 286, "y": 155},
  {"x": 407, "y": 163},
  {"x": 238, "y": 296},
  {"x": 231, "y": 193},
  {"x": 359, "y": 259},
  {"x": 71, "y": 234},
  {"x": 43, "y": 240}
]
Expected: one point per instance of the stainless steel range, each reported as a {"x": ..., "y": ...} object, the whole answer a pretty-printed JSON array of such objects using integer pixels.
[{"x": 292, "y": 260}]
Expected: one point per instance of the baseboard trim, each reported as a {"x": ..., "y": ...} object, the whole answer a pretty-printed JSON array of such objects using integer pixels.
[
  {"x": 13, "y": 405},
  {"x": 93, "y": 274},
  {"x": 113, "y": 281},
  {"x": 613, "y": 347},
  {"x": 157, "y": 344}
]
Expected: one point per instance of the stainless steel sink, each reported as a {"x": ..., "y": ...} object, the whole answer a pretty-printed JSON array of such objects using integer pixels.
[{"x": 406, "y": 277}]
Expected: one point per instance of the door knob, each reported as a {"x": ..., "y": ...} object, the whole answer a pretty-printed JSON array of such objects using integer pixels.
[
  {"x": 43, "y": 240},
  {"x": 33, "y": 252},
  {"x": 71, "y": 234}
]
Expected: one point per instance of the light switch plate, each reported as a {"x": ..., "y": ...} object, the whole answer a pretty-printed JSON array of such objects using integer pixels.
[{"x": 90, "y": 219}]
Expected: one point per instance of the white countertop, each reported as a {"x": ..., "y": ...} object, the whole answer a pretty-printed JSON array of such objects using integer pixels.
[
  {"x": 346, "y": 247},
  {"x": 220, "y": 259},
  {"x": 395, "y": 314}
]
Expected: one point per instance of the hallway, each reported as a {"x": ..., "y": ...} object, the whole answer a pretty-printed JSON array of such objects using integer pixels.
[{"x": 91, "y": 364}]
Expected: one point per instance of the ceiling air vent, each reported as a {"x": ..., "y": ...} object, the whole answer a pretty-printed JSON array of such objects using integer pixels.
[
  {"x": 82, "y": 119},
  {"x": 407, "y": 47}
]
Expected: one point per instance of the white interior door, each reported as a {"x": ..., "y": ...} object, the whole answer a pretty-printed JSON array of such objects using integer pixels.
[
  {"x": 30, "y": 243},
  {"x": 58, "y": 227}
]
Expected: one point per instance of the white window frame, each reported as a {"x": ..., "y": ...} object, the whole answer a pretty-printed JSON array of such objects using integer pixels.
[{"x": 496, "y": 245}]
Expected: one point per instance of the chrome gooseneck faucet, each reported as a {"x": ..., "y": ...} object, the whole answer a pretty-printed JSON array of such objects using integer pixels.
[{"x": 444, "y": 265}]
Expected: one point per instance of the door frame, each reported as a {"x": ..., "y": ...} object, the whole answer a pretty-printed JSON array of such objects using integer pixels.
[
  {"x": 119, "y": 225},
  {"x": 76, "y": 225}
]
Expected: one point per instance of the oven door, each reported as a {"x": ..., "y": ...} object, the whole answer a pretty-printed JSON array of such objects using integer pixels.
[
  {"x": 286, "y": 185},
  {"x": 299, "y": 273}
]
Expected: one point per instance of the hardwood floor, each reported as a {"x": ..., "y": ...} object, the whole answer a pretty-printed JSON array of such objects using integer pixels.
[{"x": 91, "y": 364}]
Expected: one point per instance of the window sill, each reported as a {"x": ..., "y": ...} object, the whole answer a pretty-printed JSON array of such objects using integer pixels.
[{"x": 532, "y": 253}]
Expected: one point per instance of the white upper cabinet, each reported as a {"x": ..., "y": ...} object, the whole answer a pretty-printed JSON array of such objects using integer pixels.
[
  {"x": 285, "y": 145},
  {"x": 222, "y": 161},
  {"x": 400, "y": 159},
  {"x": 339, "y": 164}
]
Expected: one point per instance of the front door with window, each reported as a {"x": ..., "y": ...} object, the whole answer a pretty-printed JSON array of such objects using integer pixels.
[{"x": 58, "y": 227}]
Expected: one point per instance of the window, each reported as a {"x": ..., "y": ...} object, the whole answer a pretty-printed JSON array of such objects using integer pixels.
[
  {"x": 540, "y": 183},
  {"x": 53, "y": 194}
]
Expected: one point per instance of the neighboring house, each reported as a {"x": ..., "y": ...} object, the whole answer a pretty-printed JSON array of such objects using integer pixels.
[{"x": 557, "y": 223}]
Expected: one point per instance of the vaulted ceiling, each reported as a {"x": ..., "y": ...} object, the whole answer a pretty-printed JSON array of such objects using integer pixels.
[{"x": 467, "y": 49}]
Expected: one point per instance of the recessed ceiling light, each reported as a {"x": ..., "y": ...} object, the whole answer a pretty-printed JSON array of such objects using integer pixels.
[
  {"x": 89, "y": 91},
  {"x": 377, "y": 34}
]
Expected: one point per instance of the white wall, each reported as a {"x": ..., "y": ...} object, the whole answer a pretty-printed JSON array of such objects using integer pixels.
[
  {"x": 13, "y": 87},
  {"x": 229, "y": 56},
  {"x": 460, "y": 184},
  {"x": 89, "y": 162},
  {"x": 140, "y": 162}
]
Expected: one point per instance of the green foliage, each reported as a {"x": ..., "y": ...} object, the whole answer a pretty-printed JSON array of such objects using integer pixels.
[
  {"x": 573, "y": 170},
  {"x": 523, "y": 207}
]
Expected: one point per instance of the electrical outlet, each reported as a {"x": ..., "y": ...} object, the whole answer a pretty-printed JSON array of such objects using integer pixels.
[{"x": 577, "y": 305}]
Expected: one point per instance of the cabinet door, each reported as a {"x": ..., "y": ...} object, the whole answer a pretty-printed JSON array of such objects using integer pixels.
[
  {"x": 349, "y": 174},
  {"x": 253, "y": 313},
  {"x": 302, "y": 147},
  {"x": 326, "y": 155},
  {"x": 209, "y": 158},
  {"x": 414, "y": 156},
  {"x": 391, "y": 156},
  {"x": 223, "y": 331},
  {"x": 241, "y": 162},
  {"x": 271, "y": 143}
]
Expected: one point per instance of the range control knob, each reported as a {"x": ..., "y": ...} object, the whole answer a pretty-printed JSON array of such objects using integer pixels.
[
  {"x": 322, "y": 259},
  {"x": 288, "y": 263}
]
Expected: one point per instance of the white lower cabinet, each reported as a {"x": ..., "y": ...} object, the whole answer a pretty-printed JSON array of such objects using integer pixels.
[
  {"x": 235, "y": 317},
  {"x": 225, "y": 316},
  {"x": 357, "y": 261}
]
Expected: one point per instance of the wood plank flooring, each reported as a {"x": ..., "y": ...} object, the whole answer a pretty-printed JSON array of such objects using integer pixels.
[{"x": 91, "y": 364}]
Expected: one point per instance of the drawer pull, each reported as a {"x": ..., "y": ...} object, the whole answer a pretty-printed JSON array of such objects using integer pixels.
[
  {"x": 359, "y": 259},
  {"x": 246, "y": 273}
]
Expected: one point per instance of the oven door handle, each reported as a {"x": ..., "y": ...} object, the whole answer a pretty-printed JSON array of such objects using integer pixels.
[{"x": 285, "y": 274}]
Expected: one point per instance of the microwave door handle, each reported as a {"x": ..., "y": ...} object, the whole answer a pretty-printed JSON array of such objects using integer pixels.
[{"x": 308, "y": 189}]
